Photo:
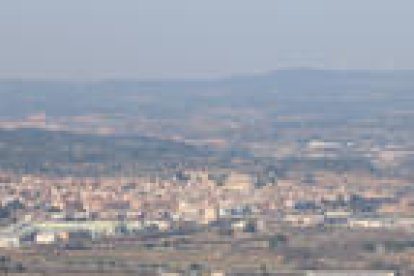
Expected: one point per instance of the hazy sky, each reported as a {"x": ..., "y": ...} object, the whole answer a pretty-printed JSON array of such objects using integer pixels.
[{"x": 193, "y": 38}]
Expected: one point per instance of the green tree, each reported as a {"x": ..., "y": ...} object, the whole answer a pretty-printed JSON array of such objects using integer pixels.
[{"x": 277, "y": 241}]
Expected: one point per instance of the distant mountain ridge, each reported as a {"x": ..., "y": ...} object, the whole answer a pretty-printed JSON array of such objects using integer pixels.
[{"x": 292, "y": 88}]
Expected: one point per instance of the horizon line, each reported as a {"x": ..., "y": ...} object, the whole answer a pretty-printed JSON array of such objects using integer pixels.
[{"x": 196, "y": 78}]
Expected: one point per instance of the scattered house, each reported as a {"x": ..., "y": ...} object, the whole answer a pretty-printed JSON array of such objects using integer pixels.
[
  {"x": 239, "y": 225},
  {"x": 160, "y": 225},
  {"x": 337, "y": 217},
  {"x": 209, "y": 215},
  {"x": 9, "y": 240},
  {"x": 304, "y": 220},
  {"x": 350, "y": 272},
  {"x": 373, "y": 221},
  {"x": 47, "y": 237}
]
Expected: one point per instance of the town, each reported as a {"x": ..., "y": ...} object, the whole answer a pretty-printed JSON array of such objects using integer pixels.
[{"x": 152, "y": 213}]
